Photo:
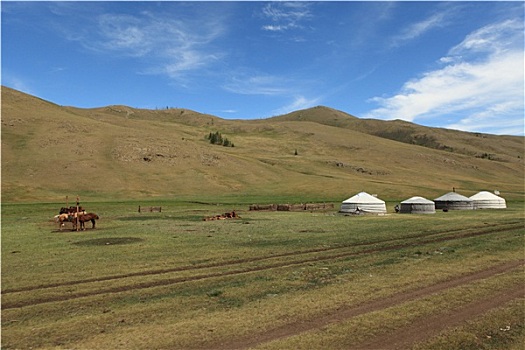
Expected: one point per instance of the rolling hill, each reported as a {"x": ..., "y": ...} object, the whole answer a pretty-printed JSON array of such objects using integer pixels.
[{"x": 118, "y": 152}]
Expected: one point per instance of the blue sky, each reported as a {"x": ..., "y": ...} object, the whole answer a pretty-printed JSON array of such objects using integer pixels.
[{"x": 456, "y": 65}]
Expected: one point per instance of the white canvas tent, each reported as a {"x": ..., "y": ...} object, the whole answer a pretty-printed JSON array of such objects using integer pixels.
[
  {"x": 363, "y": 203},
  {"x": 417, "y": 205},
  {"x": 487, "y": 200},
  {"x": 454, "y": 201}
]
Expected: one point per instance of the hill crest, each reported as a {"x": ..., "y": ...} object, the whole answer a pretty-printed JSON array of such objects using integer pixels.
[{"x": 49, "y": 151}]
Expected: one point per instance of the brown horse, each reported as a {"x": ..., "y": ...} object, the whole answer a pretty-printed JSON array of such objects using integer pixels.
[
  {"x": 70, "y": 210},
  {"x": 82, "y": 219},
  {"x": 61, "y": 219}
]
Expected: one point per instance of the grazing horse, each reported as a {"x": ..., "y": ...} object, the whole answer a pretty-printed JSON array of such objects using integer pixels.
[{"x": 83, "y": 218}]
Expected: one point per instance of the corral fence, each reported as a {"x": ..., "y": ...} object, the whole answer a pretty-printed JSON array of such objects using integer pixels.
[
  {"x": 150, "y": 209},
  {"x": 292, "y": 207}
]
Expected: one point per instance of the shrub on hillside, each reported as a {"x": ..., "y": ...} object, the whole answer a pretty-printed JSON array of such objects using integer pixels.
[{"x": 217, "y": 139}]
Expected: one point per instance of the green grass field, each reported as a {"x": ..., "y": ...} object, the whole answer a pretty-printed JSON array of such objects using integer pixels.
[{"x": 172, "y": 281}]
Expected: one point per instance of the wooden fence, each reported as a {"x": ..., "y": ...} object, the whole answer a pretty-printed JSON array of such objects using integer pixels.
[
  {"x": 150, "y": 209},
  {"x": 292, "y": 207}
]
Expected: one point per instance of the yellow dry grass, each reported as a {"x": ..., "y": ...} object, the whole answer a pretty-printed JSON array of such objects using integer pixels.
[{"x": 49, "y": 151}]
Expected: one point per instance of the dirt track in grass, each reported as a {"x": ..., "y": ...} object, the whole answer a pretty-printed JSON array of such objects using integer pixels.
[
  {"x": 403, "y": 338},
  {"x": 432, "y": 326},
  {"x": 239, "y": 266}
]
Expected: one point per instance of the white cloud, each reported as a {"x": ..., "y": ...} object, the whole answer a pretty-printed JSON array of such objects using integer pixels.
[
  {"x": 418, "y": 29},
  {"x": 170, "y": 46},
  {"x": 285, "y": 15},
  {"x": 258, "y": 85},
  {"x": 481, "y": 84},
  {"x": 492, "y": 39},
  {"x": 299, "y": 102},
  {"x": 16, "y": 83},
  {"x": 498, "y": 114}
]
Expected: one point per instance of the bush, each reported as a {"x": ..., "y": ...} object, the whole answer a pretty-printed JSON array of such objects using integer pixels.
[{"x": 217, "y": 139}]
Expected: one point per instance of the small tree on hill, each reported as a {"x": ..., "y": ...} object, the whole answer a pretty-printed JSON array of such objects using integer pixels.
[{"x": 217, "y": 139}]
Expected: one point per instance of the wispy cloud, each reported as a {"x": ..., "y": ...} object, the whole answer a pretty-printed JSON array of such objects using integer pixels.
[
  {"x": 418, "y": 29},
  {"x": 285, "y": 15},
  {"x": 17, "y": 83},
  {"x": 275, "y": 86},
  {"x": 492, "y": 39},
  {"x": 258, "y": 84},
  {"x": 172, "y": 46},
  {"x": 229, "y": 111},
  {"x": 480, "y": 84},
  {"x": 298, "y": 102}
]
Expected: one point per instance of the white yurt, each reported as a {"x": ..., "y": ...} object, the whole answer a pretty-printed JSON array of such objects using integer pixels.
[
  {"x": 454, "y": 201},
  {"x": 417, "y": 205},
  {"x": 487, "y": 200},
  {"x": 363, "y": 203}
]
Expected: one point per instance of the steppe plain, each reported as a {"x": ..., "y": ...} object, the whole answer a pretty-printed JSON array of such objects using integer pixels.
[{"x": 267, "y": 280}]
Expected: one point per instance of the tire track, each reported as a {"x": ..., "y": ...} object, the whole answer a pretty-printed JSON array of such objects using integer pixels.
[
  {"x": 346, "y": 313},
  {"x": 433, "y": 325},
  {"x": 249, "y": 260},
  {"x": 171, "y": 281}
]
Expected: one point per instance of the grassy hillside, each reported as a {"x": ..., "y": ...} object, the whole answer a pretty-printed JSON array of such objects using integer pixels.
[{"x": 50, "y": 151}]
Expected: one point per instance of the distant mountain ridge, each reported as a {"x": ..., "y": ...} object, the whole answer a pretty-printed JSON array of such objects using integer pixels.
[
  {"x": 318, "y": 153},
  {"x": 406, "y": 132}
]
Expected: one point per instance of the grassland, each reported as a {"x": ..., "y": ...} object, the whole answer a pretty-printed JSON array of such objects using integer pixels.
[
  {"x": 270, "y": 280},
  {"x": 119, "y": 152}
]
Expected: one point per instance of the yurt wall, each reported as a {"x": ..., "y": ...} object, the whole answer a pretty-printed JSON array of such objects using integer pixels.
[{"x": 417, "y": 205}]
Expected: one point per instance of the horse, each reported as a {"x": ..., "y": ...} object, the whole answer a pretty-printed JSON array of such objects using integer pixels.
[
  {"x": 62, "y": 218},
  {"x": 82, "y": 219},
  {"x": 70, "y": 210},
  {"x": 68, "y": 217}
]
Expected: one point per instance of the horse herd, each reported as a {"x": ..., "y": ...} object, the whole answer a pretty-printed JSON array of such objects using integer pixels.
[{"x": 73, "y": 216}]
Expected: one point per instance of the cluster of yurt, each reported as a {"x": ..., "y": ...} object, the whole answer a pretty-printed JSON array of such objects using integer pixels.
[{"x": 364, "y": 203}]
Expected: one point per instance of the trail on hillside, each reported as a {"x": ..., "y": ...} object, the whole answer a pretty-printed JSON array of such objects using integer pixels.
[{"x": 238, "y": 268}]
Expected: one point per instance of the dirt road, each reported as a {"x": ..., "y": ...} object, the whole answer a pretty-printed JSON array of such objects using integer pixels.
[{"x": 403, "y": 338}]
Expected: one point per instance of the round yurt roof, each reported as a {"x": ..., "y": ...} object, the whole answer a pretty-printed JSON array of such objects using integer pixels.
[
  {"x": 453, "y": 197},
  {"x": 417, "y": 205},
  {"x": 363, "y": 203},
  {"x": 454, "y": 201},
  {"x": 363, "y": 198},
  {"x": 487, "y": 200},
  {"x": 485, "y": 195},
  {"x": 417, "y": 200}
]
